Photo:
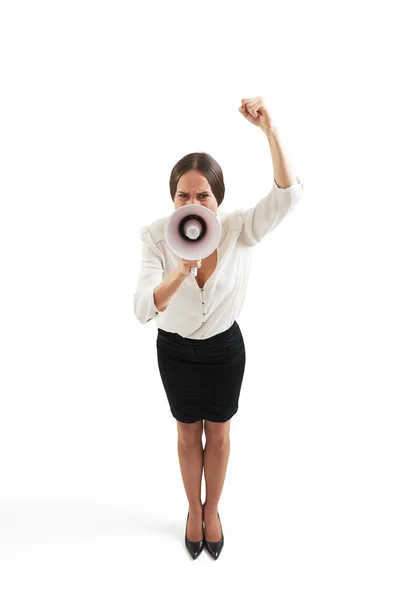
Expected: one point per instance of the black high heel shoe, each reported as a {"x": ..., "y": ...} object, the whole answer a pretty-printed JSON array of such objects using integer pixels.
[
  {"x": 194, "y": 548},
  {"x": 215, "y": 548}
]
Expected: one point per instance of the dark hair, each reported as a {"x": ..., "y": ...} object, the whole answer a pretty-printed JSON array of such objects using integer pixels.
[{"x": 199, "y": 161}]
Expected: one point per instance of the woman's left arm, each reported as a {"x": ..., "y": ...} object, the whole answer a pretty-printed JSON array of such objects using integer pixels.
[
  {"x": 255, "y": 111},
  {"x": 284, "y": 173}
]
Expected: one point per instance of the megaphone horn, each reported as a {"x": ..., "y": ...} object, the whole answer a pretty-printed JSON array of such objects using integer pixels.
[{"x": 192, "y": 232}]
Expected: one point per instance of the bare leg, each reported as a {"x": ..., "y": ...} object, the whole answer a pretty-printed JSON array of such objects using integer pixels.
[
  {"x": 190, "y": 453},
  {"x": 216, "y": 456}
]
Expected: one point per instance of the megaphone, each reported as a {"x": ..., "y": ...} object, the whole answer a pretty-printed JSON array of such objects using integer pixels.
[{"x": 192, "y": 232}]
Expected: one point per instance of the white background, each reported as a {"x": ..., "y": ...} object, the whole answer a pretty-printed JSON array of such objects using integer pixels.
[{"x": 98, "y": 102}]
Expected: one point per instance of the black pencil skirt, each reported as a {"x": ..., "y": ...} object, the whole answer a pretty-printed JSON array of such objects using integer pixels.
[{"x": 202, "y": 378}]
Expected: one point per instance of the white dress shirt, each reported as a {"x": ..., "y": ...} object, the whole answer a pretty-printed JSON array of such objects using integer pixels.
[{"x": 200, "y": 313}]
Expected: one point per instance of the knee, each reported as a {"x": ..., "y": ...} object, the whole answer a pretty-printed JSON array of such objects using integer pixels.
[
  {"x": 189, "y": 434},
  {"x": 217, "y": 434},
  {"x": 218, "y": 441}
]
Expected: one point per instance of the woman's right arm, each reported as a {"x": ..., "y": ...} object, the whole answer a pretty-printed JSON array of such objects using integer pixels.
[
  {"x": 167, "y": 288},
  {"x": 153, "y": 294}
]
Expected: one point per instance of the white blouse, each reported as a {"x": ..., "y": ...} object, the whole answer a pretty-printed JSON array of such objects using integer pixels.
[{"x": 200, "y": 313}]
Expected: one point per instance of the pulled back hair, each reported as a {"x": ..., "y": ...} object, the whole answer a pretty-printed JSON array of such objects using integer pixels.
[{"x": 207, "y": 165}]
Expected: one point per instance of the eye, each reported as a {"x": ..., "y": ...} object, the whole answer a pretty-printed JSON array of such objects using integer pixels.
[{"x": 205, "y": 194}]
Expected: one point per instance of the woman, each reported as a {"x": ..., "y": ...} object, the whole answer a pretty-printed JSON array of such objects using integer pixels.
[{"x": 200, "y": 348}]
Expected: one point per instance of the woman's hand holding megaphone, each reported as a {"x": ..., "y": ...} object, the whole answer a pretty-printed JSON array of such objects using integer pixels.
[{"x": 184, "y": 266}]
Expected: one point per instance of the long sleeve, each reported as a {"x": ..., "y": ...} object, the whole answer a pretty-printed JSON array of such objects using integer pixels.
[
  {"x": 268, "y": 212},
  {"x": 150, "y": 276}
]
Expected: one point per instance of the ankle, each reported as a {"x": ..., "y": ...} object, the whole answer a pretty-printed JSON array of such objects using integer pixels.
[{"x": 195, "y": 509}]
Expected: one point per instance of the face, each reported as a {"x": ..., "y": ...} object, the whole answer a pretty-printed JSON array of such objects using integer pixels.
[{"x": 193, "y": 188}]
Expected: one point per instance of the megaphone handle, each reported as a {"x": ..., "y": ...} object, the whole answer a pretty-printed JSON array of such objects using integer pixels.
[{"x": 193, "y": 271}]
